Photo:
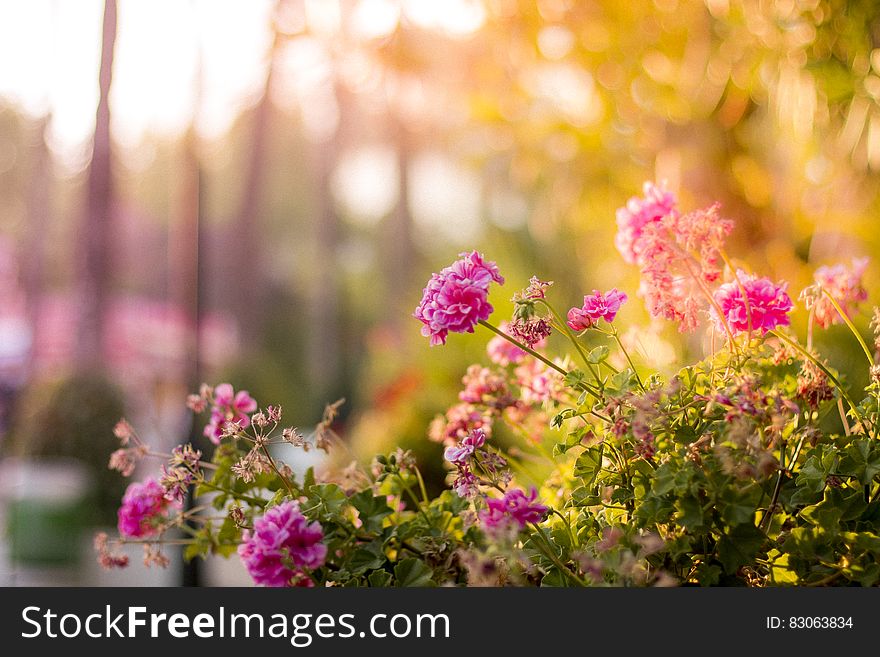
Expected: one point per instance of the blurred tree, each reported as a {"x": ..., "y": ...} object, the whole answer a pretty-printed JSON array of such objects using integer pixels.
[
  {"x": 96, "y": 234},
  {"x": 39, "y": 218}
]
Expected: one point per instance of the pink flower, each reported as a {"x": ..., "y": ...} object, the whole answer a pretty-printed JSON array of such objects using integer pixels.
[
  {"x": 458, "y": 422},
  {"x": 845, "y": 285},
  {"x": 679, "y": 257},
  {"x": 461, "y": 453},
  {"x": 596, "y": 306},
  {"x": 282, "y": 543},
  {"x": 144, "y": 505},
  {"x": 639, "y": 212},
  {"x": 515, "y": 508},
  {"x": 483, "y": 386},
  {"x": 768, "y": 302},
  {"x": 537, "y": 382},
  {"x": 457, "y": 298},
  {"x": 229, "y": 406},
  {"x": 504, "y": 352}
]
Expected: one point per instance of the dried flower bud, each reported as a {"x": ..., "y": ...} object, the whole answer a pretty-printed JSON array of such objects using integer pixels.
[
  {"x": 196, "y": 404},
  {"x": 274, "y": 413},
  {"x": 124, "y": 431},
  {"x": 237, "y": 516}
]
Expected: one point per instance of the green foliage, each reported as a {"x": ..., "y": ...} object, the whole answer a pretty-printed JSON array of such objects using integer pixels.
[{"x": 73, "y": 417}]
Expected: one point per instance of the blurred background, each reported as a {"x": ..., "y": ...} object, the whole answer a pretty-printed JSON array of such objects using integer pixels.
[{"x": 256, "y": 191}]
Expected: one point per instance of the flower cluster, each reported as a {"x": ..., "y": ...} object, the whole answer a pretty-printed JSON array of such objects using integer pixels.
[
  {"x": 282, "y": 547},
  {"x": 457, "y": 298},
  {"x": 228, "y": 408},
  {"x": 752, "y": 466},
  {"x": 513, "y": 509},
  {"x": 656, "y": 204},
  {"x": 765, "y": 305},
  {"x": 502, "y": 351},
  {"x": 842, "y": 284},
  {"x": 596, "y": 306},
  {"x": 144, "y": 509}
]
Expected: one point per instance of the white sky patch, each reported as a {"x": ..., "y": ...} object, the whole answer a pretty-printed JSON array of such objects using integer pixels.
[
  {"x": 51, "y": 53},
  {"x": 365, "y": 183},
  {"x": 445, "y": 199}
]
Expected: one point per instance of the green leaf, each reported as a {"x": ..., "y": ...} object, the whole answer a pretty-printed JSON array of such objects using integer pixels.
[
  {"x": 554, "y": 579},
  {"x": 690, "y": 512},
  {"x": 368, "y": 557},
  {"x": 780, "y": 571},
  {"x": 738, "y": 512},
  {"x": 838, "y": 505},
  {"x": 330, "y": 496},
  {"x": 598, "y": 354},
  {"x": 708, "y": 574},
  {"x": 412, "y": 572},
  {"x": 589, "y": 463},
  {"x": 861, "y": 460},
  {"x": 371, "y": 509},
  {"x": 309, "y": 479},
  {"x": 583, "y": 496},
  {"x": 815, "y": 471},
  {"x": 739, "y": 546},
  {"x": 379, "y": 579}
]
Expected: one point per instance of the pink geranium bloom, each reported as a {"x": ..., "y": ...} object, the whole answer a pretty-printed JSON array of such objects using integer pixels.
[
  {"x": 639, "y": 212},
  {"x": 457, "y": 298},
  {"x": 281, "y": 545},
  {"x": 504, "y": 352},
  {"x": 143, "y": 506},
  {"x": 459, "y": 454},
  {"x": 596, "y": 306},
  {"x": 229, "y": 406},
  {"x": 768, "y": 302},
  {"x": 514, "y": 509},
  {"x": 845, "y": 285}
]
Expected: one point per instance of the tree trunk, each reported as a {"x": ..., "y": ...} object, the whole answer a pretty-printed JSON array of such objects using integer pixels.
[
  {"x": 95, "y": 237},
  {"x": 398, "y": 240},
  {"x": 39, "y": 210},
  {"x": 249, "y": 279}
]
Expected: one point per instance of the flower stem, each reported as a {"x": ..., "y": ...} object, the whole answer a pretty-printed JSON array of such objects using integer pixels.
[
  {"x": 825, "y": 370},
  {"x": 851, "y": 326},
  {"x": 570, "y": 335},
  {"x": 532, "y": 352},
  {"x": 283, "y": 479},
  {"x": 629, "y": 360},
  {"x": 547, "y": 550}
]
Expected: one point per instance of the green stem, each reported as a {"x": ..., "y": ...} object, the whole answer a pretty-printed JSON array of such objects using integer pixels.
[
  {"x": 283, "y": 479},
  {"x": 414, "y": 499},
  {"x": 629, "y": 360},
  {"x": 256, "y": 501},
  {"x": 550, "y": 554},
  {"x": 851, "y": 326},
  {"x": 563, "y": 326},
  {"x": 825, "y": 370},
  {"x": 532, "y": 352}
]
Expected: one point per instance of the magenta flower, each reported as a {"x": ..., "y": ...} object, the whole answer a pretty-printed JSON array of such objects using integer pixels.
[
  {"x": 282, "y": 544},
  {"x": 457, "y": 298},
  {"x": 144, "y": 505},
  {"x": 768, "y": 302},
  {"x": 229, "y": 406},
  {"x": 514, "y": 509},
  {"x": 461, "y": 453},
  {"x": 596, "y": 306},
  {"x": 639, "y": 212},
  {"x": 845, "y": 285}
]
